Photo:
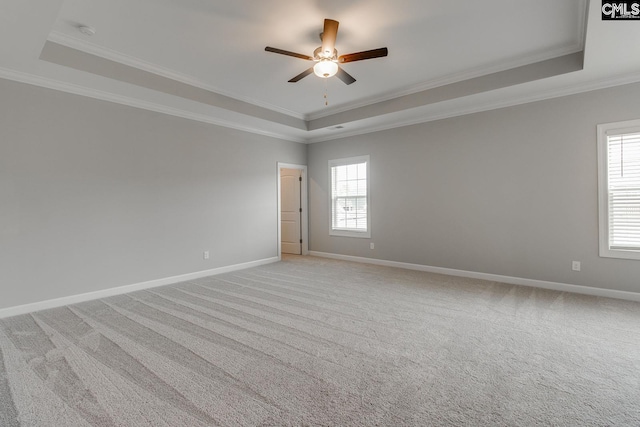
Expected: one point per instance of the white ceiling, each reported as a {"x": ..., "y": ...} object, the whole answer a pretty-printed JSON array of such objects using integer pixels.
[{"x": 211, "y": 57}]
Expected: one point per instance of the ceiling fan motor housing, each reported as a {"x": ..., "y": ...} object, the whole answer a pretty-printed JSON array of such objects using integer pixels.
[{"x": 319, "y": 55}]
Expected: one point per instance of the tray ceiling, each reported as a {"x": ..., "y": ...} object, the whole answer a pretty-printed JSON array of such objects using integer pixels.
[{"x": 205, "y": 59}]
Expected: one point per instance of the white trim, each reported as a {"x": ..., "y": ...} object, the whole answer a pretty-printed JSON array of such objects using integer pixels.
[
  {"x": 603, "y": 172},
  {"x": 582, "y": 87},
  {"x": 605, "y": 130},
  {"x": 112, "y": 55},
  {"x": 75, "y": 89},
  {"x": 463, "y": 111},
  {"x": 447, "y": 80},
  {"x": 305, "y": 207},
  {"x": 74, "y": 299},
  {"x": 342, "y": 162},
  {"x": 23, "y": 77},
  {"x": 555, "y": 286}
]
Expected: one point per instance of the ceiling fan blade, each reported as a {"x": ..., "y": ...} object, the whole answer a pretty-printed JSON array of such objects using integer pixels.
[
  {"x": 329, "y": 35},
  {"x": 367, "y": 54},
  {"x": 301, "y": 76},
  {"x": 286, "y": 52},
  {"x": 344, "y": 76}
]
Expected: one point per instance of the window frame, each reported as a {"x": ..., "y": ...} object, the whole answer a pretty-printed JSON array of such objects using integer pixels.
[
  {"x": 343, "y": 162},
  {"x": 604, "y": 131}
]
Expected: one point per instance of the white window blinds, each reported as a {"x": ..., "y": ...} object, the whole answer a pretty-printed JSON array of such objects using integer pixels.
[
  {"x": 349, "y": 196},
  {"x": 623, "y": 166}
]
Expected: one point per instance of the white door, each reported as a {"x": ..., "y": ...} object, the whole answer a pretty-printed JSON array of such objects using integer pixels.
[{"x": 290, "y": 214}]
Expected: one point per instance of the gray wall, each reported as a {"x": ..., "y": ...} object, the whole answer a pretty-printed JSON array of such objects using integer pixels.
[
  {"x": 95, "y": 195},
  {"x": 510, "y": 192}
]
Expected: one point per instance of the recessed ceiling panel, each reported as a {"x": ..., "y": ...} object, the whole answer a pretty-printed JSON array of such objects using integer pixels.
[{"x": 219, "y": 45}]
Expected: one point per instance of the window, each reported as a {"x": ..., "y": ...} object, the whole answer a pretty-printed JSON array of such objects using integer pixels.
[
  {"x": 619, "y": 189},
  {"x": 349, "y": 197}
]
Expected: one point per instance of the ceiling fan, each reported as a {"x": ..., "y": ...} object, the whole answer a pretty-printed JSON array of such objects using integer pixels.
[{"x": 326, "y": 56}]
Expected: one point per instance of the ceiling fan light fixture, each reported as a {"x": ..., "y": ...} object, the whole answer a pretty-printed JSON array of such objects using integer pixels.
[
  {"x": 326, "y": 56},
  {"x": 325, "y": 68}
]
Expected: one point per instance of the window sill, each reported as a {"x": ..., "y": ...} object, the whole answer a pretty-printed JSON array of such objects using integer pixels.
[
  {"x": 346, "y": 233},
  {"x": 619, "y": 254}
]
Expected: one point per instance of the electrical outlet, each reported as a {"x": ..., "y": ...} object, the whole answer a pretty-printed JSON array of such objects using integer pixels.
[
  {"x": 372, "y": 246},
  {"x": 575, "y": 265},
  {"x": 205, "y": 255}
]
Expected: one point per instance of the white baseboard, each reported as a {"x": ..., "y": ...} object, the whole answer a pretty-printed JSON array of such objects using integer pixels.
[
  {"x": 563, "y": 287},
  {"x": 73, "y": 299}
]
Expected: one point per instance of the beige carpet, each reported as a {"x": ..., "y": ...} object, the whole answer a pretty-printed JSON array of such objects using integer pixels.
[{"x": 310, "y": 341}]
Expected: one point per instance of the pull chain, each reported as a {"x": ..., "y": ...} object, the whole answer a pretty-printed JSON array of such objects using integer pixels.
[{"x": 326, "y": 96}]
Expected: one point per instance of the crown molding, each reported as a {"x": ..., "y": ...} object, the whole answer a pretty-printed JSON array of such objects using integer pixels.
[
  {"x": 35, "y": 80},
  {"x": 112, "y": 55},
  {"x": 449, "y": 79},
  {"x": 540, "y": 96},
  {"x": 48, "y": 83},
  {"x": 84, "y": 46}
]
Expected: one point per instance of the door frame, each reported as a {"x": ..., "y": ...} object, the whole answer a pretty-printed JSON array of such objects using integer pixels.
[{"x": 304, "y": 202}]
